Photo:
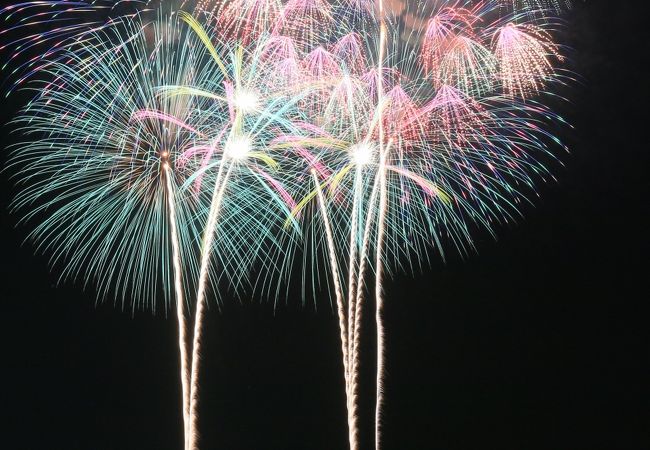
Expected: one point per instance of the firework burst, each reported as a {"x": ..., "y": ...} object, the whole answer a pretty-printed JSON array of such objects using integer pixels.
[
  {"x": 166, "y": 157},
  {"x": 119, "y": 157},
  {"x": 420, "y": 129}
]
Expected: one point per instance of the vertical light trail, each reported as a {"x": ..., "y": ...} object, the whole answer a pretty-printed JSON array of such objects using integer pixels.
[
  {"x": 180, "y": 301},
  {"x": 352, "y": 392},
  {"x": 220, "y": 184},
  {"x": 379, "y": 301},
  {"x": 352, "y": 265},
  {"x": 208, "y": 238},
  {"x": 352, "y": 420},
  {"x": 354, "y": 332},
  {"x": 362, "y": 270},
  {"x": 367, "y": 229}
]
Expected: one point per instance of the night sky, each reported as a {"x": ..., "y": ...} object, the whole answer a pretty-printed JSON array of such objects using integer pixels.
[{"x": 537, "y": 341}]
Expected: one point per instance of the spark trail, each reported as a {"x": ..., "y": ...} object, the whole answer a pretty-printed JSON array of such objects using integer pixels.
[
  {"x": 180, "y": 302},
  {"x": 407, "y": 124}
]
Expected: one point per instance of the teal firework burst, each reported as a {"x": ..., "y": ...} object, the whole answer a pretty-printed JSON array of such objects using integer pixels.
[
  {"x": 146, "y": 170},
  {"x": 171, "y": 159},
  {"x": 92, "y": 168}
]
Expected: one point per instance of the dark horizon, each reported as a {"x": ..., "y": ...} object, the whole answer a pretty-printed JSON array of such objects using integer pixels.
[{"x": 536, "y": 341}]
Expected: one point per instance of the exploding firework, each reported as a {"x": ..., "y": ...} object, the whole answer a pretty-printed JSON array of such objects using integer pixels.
[
  {"x": 101, "y": 170},
  {"x": 370, "y": 134},
  {"x": 120, "y": 153},
  {"x": 421, "y": 130}
]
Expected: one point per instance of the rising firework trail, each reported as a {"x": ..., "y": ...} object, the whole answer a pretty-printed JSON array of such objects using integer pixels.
[
  {"x": 103, "y": 164},
  {"x": 250, "y": 112},
  {"x": 383, "y": 202},
  {"x": 167, "y": 155},
  {"x": 424, "y": 126},
  {"x": 178, "y": 285}
]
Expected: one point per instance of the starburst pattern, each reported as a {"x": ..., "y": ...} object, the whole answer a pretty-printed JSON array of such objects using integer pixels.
[{"x": 221, "y": 149}]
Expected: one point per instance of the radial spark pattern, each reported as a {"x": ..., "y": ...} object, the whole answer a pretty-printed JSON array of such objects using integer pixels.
[{"x": 252, "y": 140}]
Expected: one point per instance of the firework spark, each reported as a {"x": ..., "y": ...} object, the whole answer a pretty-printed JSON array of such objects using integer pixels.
[
  {"x": 424, "y": 130},
  {"x": 118, "y": 133},
  {"x": 108, "y": 167},
  {"x": 251, "y": 115},
  {"x": 166, "y": 157}
]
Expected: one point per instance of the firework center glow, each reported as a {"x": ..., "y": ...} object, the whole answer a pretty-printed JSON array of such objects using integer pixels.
[
  {"x": 238, "y": 147},
  {"x": 362, "y": 154},
  {"x": 246, "y": 101},
  {"x": 164, "y": 155}
]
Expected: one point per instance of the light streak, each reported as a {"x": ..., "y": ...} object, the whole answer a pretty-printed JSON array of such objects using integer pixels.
[
  {"x": 180, "y": 301},
  {"x": 199, "y": 317},
  {"x": 238, "y": 147},
  {"x": 411, "y": 128}
]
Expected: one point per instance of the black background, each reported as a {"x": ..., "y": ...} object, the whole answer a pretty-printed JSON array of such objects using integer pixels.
[{"x": 536, "y": 342}]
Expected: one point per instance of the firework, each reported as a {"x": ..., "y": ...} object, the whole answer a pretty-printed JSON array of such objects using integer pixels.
[
  {"x": 249, "y": 113},
  {"x": 524, "y": 53},
  {"x": 370, "y": 134},
  {"x": 100, "y": 170},
  {"x": 119, "y": 152},
  {"x": 421, "y": 129},
  {"x": 536, "y": 6},
  {"x": 37, "y": 33}
]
